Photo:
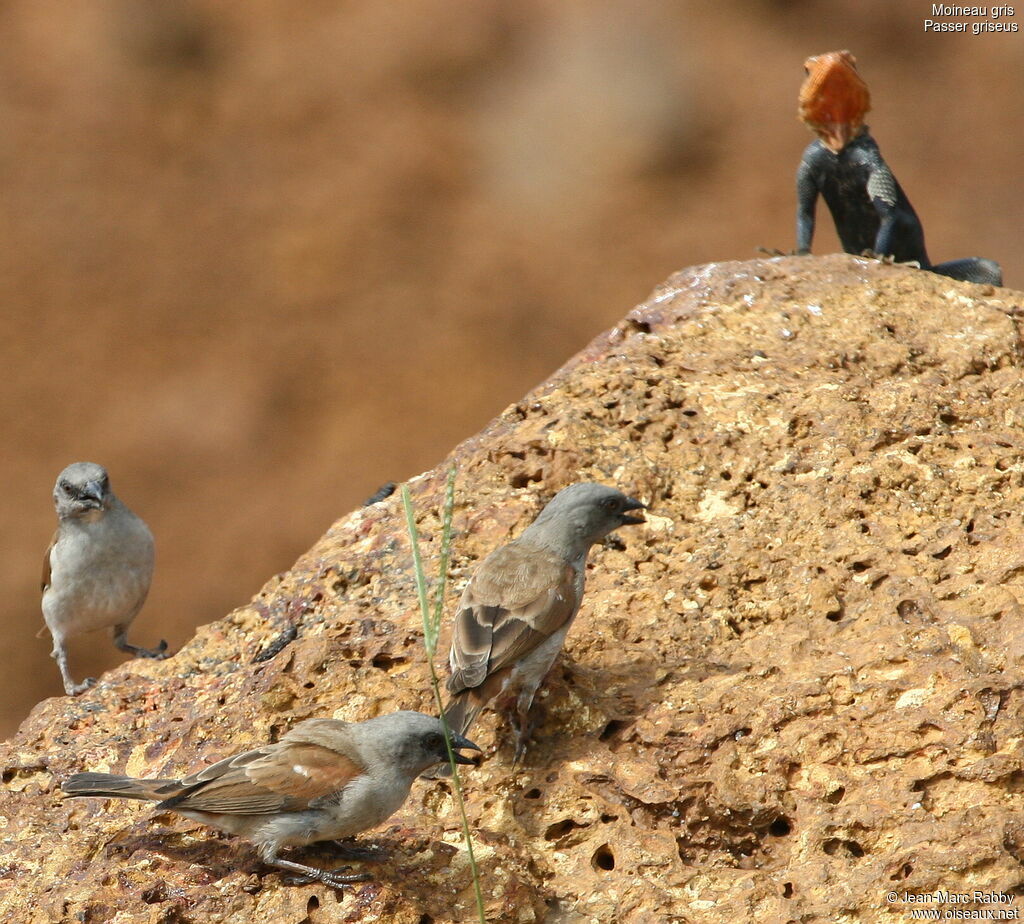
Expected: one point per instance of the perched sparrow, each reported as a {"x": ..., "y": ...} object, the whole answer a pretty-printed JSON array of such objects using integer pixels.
[
  {"x": 98, "y": 567},
  {"x": 325, "y": 779},
  {"x": 518, "y": 606}
]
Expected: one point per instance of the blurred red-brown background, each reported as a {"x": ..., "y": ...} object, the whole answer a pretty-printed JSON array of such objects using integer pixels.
[{"x": 259, "y": 258}]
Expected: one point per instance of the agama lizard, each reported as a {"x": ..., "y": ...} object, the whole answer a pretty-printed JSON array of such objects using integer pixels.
[{"x": 870, "y": 209}]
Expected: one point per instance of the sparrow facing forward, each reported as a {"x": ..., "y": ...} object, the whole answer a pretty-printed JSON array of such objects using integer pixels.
[{"x": 97, "y": 570}]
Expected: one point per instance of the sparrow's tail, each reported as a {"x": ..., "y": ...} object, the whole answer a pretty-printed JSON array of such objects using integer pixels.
[
  {"x": 461, "y": 712},
  {"x": 113, "y": 786}
]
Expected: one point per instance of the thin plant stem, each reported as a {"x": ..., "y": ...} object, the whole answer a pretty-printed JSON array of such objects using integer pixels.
[{"x": 432, "y": 615}]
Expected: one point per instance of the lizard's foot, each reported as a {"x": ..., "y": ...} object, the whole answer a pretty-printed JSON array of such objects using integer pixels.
[{"x": 889, "y": 259}]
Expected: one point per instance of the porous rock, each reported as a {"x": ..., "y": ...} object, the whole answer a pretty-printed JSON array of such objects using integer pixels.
[{"x": 799, "y": 687}]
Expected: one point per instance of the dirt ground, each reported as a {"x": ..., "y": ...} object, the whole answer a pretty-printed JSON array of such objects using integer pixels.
[{"x": 259, "y": 258}]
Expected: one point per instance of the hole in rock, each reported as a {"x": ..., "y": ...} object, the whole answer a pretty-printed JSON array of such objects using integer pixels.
[
  {"x": 835, "y": 846},
  {"x": 523, "y": 479},
  {"x": 603, "y": 858},
  {"x": 787, "y": 890},
  {"x": 612, "y": 728},
  {"x": 560, "y": 829},
  {"x": 907, "y": 608},
  {"x": 836, "y": 796},
  {"x": 903, "y": 872},
  {"x": 532, "y": 793},
  {"x": 155, "y": 894},
  {"x": 780, "y": 827}
]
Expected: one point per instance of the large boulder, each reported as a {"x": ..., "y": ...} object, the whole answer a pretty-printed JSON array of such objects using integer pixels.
[{"x": 793, "y": 694}]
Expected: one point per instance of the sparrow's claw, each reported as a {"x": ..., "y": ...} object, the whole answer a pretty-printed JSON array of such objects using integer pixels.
[
  {"x": 773, "y": 252},
  {"x": 522, "y": 742},
  {"x": 121, "y": 642},
  {"x": 73, "y": 689},
  {"x": 339, "y": 877},
  {"x": 335, "y": 878},
  {"x": 159, "y": 653}
]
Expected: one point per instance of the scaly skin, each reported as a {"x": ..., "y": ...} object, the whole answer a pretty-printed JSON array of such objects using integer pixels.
[{"x": 871, "y": 212}]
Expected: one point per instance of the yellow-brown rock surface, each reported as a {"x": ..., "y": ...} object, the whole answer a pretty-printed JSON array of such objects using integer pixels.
[{"x": 797, "y": 688}]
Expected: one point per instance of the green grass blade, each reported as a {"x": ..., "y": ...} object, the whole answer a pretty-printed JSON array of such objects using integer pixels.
[
  {"x": 429, "y": 638},
  {"x": 432, "y": 616}
]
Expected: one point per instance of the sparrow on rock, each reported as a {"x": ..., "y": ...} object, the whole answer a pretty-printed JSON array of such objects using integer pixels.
[
  {"x": 325, "y": 779},
  {"x": 518, "y": 606},
  {"x": 97, "y": 570}
]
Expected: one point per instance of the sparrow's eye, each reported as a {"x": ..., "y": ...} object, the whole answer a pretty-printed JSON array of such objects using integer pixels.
[
  {"x": 610, "y": 503},
  {"x": 434, "y": 742}
]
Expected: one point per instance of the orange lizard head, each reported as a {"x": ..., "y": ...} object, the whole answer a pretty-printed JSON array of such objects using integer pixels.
[{"x": 833, "y": 98}]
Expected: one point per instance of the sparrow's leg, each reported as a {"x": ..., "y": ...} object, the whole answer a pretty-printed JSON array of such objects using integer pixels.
[
  {"x": 121, "y": 641},
  {"x": 522, "y": 727},
  {"x": 336, "y": 878},
  {"x": 60, "y": 655}
]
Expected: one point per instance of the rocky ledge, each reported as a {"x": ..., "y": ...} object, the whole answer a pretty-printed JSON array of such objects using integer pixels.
[{"x": 797, "y": 691}]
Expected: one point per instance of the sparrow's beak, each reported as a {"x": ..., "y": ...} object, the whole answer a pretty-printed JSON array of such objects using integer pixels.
[
  {"x": 93, "y": 491},
  {"x": 459, "y": 742},
  {"x": 632, "y": 505}
]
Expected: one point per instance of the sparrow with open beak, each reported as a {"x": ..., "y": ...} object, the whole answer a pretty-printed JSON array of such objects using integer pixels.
[
  {"x": 325, "y": 779},
  {"x": 518, "y": 606}
]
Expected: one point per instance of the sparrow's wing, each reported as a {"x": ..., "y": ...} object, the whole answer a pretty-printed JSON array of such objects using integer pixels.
[
  {"x": 282, "y": 777},
  {"x": 518, "y": 597},
  {"x": 46, "y": 563},
  {"x": 222, "y": 767}
]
